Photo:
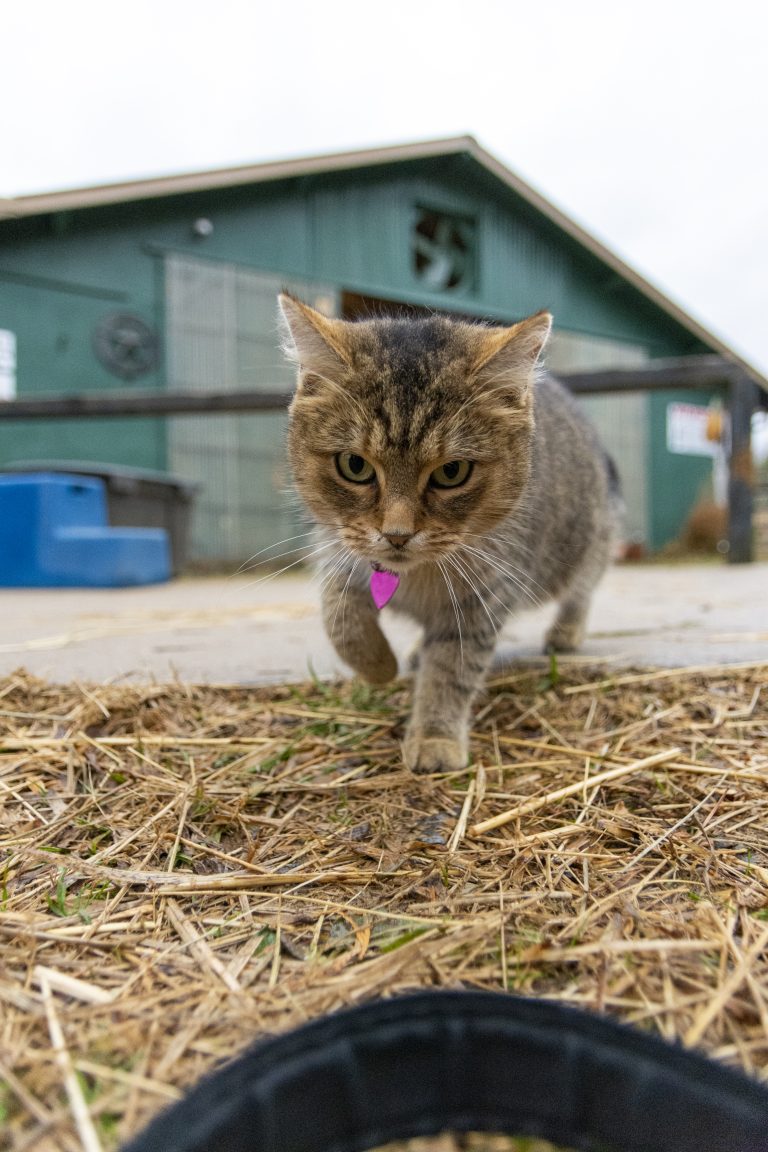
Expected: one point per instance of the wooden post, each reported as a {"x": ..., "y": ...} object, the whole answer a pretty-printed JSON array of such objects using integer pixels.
[{"x": 742, "y": 401}]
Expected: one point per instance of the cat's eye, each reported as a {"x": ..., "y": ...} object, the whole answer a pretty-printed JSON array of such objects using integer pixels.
[
  {"x": 451, "y": 474},
  {"x": 355, "y": 468}
]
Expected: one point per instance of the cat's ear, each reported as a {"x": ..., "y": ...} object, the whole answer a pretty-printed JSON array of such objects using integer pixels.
[
  {"x": 506, "y": 357},
  {"x": 314, "y": 341}
]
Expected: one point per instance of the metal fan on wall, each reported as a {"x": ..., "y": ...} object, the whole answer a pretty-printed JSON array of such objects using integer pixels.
[
  {"x": 442, "y": 248},
  {"x": 126, "y": 345}
]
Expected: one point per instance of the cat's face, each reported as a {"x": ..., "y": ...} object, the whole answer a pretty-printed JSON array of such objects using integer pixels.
[{"x": 410, "y": 437}]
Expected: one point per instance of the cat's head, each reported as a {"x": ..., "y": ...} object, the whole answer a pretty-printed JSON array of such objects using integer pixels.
[{"x": 407, "y": 436}]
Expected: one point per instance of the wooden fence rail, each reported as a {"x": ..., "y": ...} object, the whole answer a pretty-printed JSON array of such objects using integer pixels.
[{"x": 743, "y": 395}]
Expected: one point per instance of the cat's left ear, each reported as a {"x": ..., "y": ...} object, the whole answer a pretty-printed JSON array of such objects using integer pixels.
[{"x": 507, "y": 357}]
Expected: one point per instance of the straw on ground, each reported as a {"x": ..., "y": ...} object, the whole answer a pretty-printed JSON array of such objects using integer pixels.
[{"x": 186, "y": 869}]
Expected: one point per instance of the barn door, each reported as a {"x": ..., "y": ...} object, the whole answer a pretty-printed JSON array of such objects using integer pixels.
[{"x": 221, "y": 332}]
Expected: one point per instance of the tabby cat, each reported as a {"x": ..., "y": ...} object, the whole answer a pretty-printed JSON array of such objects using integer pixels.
[{"x": 448, "y": 474}]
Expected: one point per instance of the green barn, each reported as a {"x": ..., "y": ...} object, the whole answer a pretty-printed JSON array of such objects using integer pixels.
[{"x": 170, "y": 284}]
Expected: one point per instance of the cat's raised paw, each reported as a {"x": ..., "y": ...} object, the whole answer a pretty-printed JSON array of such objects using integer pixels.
[
  {"x": 378, "y": 671},
  {"x": 434, "y": 754},
  {"x": 370, "y": 655}
]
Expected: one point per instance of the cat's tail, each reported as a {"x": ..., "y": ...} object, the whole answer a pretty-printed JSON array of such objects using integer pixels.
[{"x": 617, "y": 507}]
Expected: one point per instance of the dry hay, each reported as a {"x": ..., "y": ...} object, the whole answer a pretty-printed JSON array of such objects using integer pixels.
[{"x": 185, "y": 869}]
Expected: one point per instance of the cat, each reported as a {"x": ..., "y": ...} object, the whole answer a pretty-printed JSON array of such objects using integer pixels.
[{"x": 437, "y": 455}]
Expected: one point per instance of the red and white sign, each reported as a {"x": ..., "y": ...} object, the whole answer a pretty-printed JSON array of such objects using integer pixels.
[{"x": 687, "y": 430}]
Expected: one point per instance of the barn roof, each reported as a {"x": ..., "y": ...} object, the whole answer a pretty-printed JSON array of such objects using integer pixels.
[{"x": 210, "y": 180}]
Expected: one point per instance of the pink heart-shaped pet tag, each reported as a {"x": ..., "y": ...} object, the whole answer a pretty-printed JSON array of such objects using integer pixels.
[{"x": 383, "y": 586}]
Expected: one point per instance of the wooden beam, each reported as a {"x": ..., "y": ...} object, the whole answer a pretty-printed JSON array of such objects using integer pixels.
[
  {"x": 84, "y": 405},
  {"x": 742, "y": 402},
  {"x": 681, "y": 372},
  {"x": 656, "y": 375}
]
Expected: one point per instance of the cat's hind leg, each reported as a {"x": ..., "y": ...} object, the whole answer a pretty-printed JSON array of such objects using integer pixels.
[
  {"x": 568, "y": 631},
  {"x": 570, "y": 625}
]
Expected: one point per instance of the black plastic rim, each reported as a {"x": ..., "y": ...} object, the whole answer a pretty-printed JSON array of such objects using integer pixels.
[{"x": 465, "y": 1061}]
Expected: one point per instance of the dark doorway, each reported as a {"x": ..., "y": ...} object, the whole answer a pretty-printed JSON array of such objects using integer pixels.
[{"x": 355, "y": 306}]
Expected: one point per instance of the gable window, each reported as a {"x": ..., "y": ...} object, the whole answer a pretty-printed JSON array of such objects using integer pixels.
[{"x": 443, "y": 251}]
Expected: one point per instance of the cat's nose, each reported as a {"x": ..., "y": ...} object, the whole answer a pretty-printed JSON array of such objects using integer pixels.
[{"x": 398, "y": 539}]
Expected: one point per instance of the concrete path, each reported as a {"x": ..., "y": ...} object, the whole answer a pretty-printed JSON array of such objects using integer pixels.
[{"x": 232, "y": 632}]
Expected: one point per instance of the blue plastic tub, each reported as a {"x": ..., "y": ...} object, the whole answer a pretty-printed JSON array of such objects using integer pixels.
[{"x": 54, "y": 533}]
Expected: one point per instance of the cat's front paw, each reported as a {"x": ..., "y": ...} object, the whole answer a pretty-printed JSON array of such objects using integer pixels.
[
  {"x": 377, "y": 667},
  {"x": 435, "y": 754},
  {"x": 371, "y": 657}
]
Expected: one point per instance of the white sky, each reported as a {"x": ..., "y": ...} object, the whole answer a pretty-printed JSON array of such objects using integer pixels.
[{"x": 647, "y": 122}]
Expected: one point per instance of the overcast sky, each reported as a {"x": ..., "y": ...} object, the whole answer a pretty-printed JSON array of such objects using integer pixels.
[{"x": 646, "y": 122}]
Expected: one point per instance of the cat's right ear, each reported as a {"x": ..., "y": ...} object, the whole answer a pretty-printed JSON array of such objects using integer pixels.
[
  {"x": 507, "y": 357},
  {"x": 312, "y": 340}
]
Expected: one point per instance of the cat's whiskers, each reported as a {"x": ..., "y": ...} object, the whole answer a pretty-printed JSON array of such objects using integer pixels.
[
  {"x": 316, "y": 550},
  {"x": 510, "y": 571},
  {"x": 248, "y": 565},
  {"x": 342, "y": 602},
  {"x": 456, "y": 607},
  {"x": 512, "y": 538},
  {"x": 488, "y": 554},
  {"x": 466, "y": 573},
  {"x": 332, "y": 566}
]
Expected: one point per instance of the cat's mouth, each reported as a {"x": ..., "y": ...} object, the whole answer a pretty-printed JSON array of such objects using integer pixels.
[
  {"x": 401, "y": 559},
  {"x": 396, "y": 562},
  {"x": 392, "y": 568}
]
